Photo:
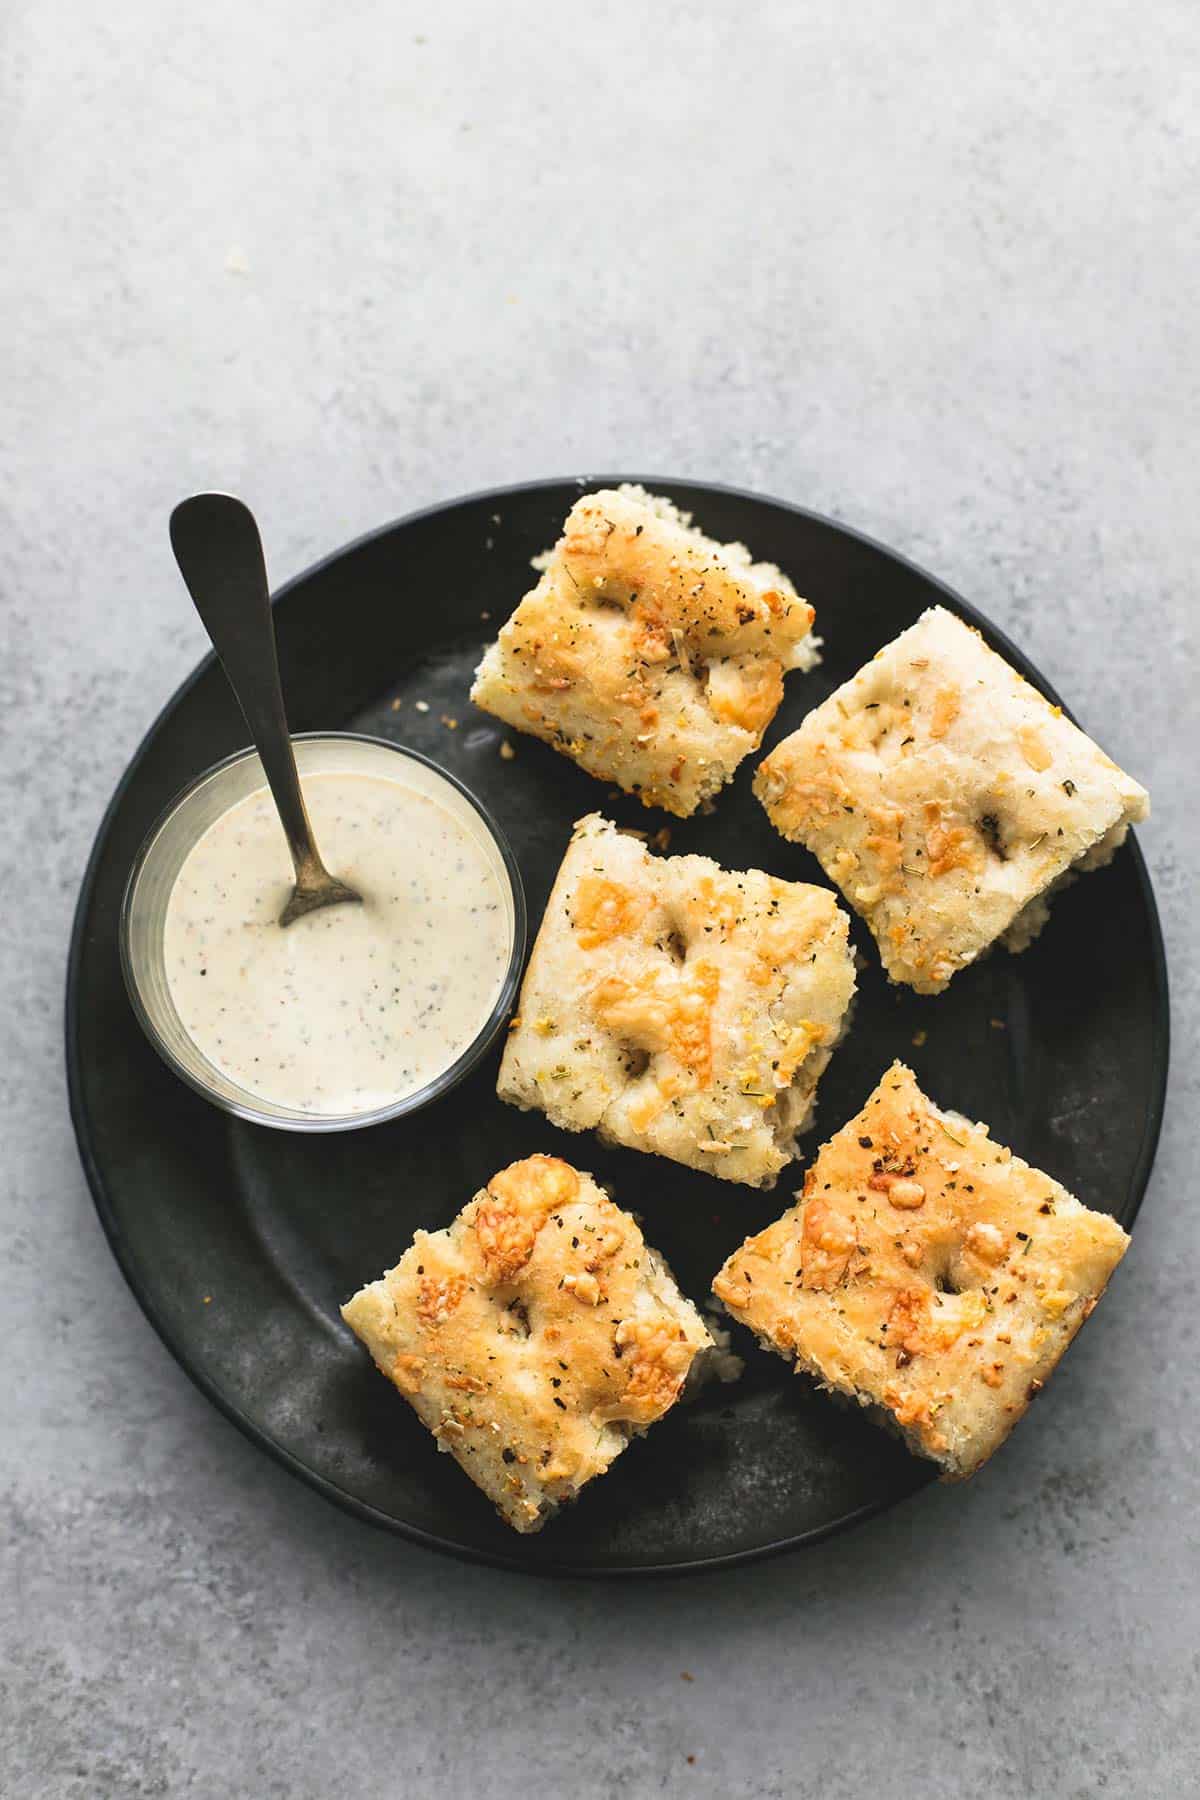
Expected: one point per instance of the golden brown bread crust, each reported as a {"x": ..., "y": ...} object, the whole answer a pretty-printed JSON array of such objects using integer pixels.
[
  {"x": 651, "y": 655},
  {"x": 533, "y": 1335},
  {"x": 946, "y": 797},
  {"x": 678, "y": 1007},
  {"x": 927, "y": 1271}
]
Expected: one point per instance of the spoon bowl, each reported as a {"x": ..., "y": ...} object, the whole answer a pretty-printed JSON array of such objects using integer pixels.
[{"x": 220, "y": 555}]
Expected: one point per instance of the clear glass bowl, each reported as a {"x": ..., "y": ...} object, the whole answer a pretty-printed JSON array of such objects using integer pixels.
[{"x": 158, "y": 862}]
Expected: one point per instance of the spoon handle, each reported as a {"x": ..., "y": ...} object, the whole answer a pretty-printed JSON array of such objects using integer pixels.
[{"x": 220, "y": 557}]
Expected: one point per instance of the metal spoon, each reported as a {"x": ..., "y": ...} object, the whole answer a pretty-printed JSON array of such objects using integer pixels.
[{"x": 220, "y": 556}]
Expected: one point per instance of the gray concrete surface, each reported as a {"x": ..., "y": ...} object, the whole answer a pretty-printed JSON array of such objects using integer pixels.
[{"x": 930, "y": 269}]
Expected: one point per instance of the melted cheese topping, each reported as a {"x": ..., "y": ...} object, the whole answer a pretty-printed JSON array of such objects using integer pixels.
[
  {"x": 679, "y": 1007},
  {"x": 532, "y": 1335},
  {"x": 943, "y": 794},
  {"x": 647, "y": 652},
  {"x": 926, "y": 1270}
]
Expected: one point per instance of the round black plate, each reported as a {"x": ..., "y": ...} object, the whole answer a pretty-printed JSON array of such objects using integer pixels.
[{"x": 240, "y": 1243}]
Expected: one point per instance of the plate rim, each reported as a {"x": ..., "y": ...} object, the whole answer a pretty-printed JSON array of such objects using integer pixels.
[{"x": 81, "y": 1121}]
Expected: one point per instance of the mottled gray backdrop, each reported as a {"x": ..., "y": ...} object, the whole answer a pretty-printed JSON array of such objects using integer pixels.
[{"x": 932, "y": 269}]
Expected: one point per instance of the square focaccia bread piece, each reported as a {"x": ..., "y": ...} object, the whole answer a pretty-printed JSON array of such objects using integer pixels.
[
  {"x": 927, "y": 1271},
  {"x": 534, "y": 1336},
  {"x": 947, "y": 799},
  {"x": 650, "y": 654},
  {"x": 679, "y": 1007}
]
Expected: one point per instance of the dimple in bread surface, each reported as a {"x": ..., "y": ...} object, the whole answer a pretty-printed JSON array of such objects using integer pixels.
[
  {"x": 679, "y": 1008},
  {"x": 647, "y": 652},
  {"x": 947, "y": 799},
  {"x": 533, "y": 1336},
  {"x": 926, "y": 1271}
]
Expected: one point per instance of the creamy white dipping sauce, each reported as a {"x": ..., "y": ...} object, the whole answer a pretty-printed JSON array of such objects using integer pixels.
[{"x": 351, "y": 1007}]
